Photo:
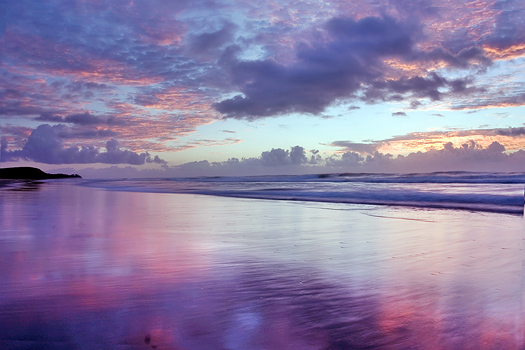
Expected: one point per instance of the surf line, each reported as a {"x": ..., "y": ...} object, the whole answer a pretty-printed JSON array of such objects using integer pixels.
[{"x": 393, "y": 217}]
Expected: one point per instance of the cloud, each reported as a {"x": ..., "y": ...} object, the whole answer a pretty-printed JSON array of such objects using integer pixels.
[
  {"x": 361, "y": 148},
  {"x": 324, "y": 71},
  {"x": 511, "y": 95},
  {"x": 346, "y": 65},
  {"x": 467, "y": 157},
  {"x": 207, "y": 143},
  {"x": 45, "y": 145},
  {"x": 275, "y": 157},
  {"x": 510, "y": 131},
  {"x": 512, "y": 139},
  {"x": 85, "y": 118},
  {"x": 87, "y": 134},
  {"x": 399, "y": 114},
  {"x": 433, "y": 87},
  {"x": 22, "y": 95},
  {"x": 508, "y": 36},
  {"x": 206, "y": 45},
  {"x": 79, "y": 118},
  {"x": 97, "y": 38},
  {"x": 347, "y": 159},
  {"x": 273, "y": 161},
  {"x": 297, "y": 155},
  {"x": 131, "y": 124},
  {"x": 149, "y": 71}
]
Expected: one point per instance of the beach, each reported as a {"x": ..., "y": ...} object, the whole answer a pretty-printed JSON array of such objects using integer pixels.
[{"x": 89, "y": 268}]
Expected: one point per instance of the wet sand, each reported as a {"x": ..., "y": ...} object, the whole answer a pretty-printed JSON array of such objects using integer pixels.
[{"x": 83, "y": 268}]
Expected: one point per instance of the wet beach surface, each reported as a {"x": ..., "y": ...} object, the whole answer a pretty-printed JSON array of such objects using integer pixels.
[{"x": 84, "y": 268}]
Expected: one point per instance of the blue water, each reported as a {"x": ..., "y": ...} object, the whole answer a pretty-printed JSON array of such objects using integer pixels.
[{"x": 493, "y": 192}]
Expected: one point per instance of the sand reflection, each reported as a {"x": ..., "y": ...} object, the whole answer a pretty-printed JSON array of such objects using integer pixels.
[{"x": 90, "y": 269}]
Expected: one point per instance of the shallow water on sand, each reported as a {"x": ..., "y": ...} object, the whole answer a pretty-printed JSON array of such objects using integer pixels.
[{"x": 83, "y": 268}]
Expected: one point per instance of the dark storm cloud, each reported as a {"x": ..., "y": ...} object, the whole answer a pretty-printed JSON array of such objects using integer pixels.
[
  {"x": 347, "y": 62},
  {"x": 45, "y": 145}
]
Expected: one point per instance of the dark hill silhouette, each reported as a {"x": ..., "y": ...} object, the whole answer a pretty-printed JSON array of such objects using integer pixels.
[{"x": 30, "y": 173}]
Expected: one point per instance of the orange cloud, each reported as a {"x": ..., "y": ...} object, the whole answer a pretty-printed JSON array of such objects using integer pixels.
[
  {"x": 423, "y": 142},
  {"x": 509, "y": 53},
  {"x": 512, "y": 140}
]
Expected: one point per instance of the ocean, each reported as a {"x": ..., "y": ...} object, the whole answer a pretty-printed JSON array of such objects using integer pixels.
[
  {"x": 495, "y": 192},
  {"x": 334, "y": 261}
]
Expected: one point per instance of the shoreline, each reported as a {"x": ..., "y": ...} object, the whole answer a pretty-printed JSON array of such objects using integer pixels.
[{"x": 404, "y": 195}]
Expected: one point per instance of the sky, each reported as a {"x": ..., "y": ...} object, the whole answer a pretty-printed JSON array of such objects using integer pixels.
[{"x": 122, "y": 88}]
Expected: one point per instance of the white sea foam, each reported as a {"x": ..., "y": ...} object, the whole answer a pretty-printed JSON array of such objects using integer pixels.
[{"x": 495, "y": 192}]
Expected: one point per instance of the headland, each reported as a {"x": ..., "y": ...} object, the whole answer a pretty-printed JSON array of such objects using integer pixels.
[{"x": 30, "y": 173}]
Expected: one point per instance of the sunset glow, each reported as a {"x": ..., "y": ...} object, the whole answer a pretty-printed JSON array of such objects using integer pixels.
[{"x": 185, "y": 82}]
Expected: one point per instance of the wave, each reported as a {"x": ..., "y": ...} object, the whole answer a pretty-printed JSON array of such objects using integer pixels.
[
  {"x": 492, "y": 203},
  {"x": 493, "y": 192},
  {"x": 436, "y": 177}
]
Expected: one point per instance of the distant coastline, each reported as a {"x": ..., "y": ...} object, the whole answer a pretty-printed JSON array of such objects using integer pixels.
[{"x": 30, "y": 173}]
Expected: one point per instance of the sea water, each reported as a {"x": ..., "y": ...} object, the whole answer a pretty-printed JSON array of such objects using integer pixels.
[
  {"x": 142, "y": 264},
  {"x": 496, "y": 192}
]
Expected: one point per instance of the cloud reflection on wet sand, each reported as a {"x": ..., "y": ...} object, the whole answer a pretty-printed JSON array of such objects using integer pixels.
[{"x": 91, "y": 269}]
